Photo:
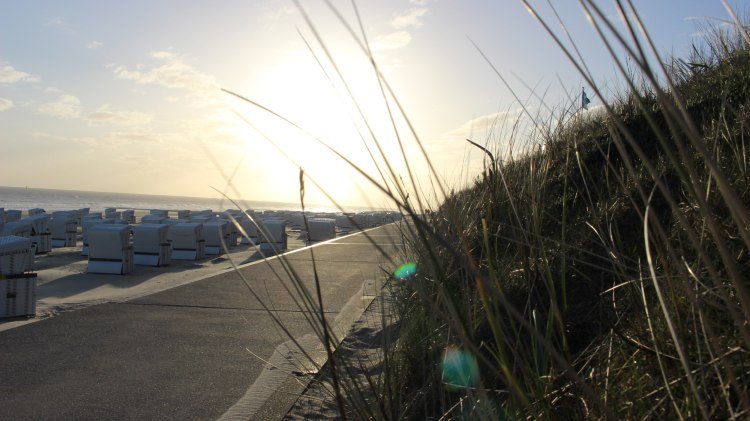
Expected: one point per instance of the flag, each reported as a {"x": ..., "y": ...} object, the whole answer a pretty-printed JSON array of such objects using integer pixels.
[{"x": 585, "y": 101}]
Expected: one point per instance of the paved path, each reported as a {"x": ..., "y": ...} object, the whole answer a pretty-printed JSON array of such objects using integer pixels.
[{"x": 192, "y": 352}]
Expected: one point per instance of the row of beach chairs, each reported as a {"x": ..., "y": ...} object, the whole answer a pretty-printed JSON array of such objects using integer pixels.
[{"x": 114, "y": 245}]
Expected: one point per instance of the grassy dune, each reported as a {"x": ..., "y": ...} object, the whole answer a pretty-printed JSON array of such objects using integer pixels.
[{"x": 604, "y": 274}]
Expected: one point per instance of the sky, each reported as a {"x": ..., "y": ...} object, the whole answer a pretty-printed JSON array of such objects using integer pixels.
[{"x": 132, "y": 96}]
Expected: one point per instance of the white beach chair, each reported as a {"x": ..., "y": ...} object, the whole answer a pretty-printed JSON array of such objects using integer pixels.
[
  {"x": 90, "y": 221},
  {"x": 112, "y": 213},
  {"x": 150, "y": 245},
  {"x": 217, "y": 236},
  {"x": 19, "y": 295},
  {"x": 363, "y": 220},
  {"x": 17, "y": 283},
  {"x": 19, "y": 228},
  {"x": 202, "y": 216},
  {"x": 295, "y": 220},
  {"x": 153, "y": 219},
  {"x": 251, "y": 231},
  {"x": 16, "y": 255},
  {"x": 12, "y": 215},
  {"x": 159, "y": 212},
  {"x": 40, "y": 233},
  {"x": 65, "y": 214},
  {"x": 344, "y": 223},
  {"x": 63, "y": 232},
  {"x": 128, "y": 215},
  {"x": 81, "y": 213},
  {"x": 234, "y": 230},
  {"x": 172, "y": 221},
  {"x": 320, "y": 229},
  {"x": 109, "y": 249},
  {"x": 273, "y": 237},
  {"x": 187, "y": 241}
]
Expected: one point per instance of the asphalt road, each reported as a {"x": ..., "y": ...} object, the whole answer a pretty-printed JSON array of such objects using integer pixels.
[{"x": 191, "y": 352}]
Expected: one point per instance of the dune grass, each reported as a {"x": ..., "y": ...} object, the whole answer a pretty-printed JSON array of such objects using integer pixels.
[{"x": 603, "y": 274}]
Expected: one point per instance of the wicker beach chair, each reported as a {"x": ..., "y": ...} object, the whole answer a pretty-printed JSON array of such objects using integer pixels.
[
  {"x": 109, "y": 249},
  {"x": 150, "y": 245},
  {"x": 187, "y": 241}
]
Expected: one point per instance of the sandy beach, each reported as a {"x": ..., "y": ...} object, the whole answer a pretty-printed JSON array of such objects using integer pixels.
[{"x": 63, "y": 284}]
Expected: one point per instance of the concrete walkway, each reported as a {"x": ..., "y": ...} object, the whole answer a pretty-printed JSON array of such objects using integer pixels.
[{"x": 198, "y": 351}]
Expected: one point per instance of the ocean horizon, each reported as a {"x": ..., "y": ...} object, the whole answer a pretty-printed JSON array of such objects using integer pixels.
[{"x": 24, "y": 198}]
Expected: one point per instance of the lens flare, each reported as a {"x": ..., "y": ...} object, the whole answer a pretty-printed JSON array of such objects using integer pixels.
[
  {"x": 405, "y": 271},
  {"x": 460, "y": 369}
]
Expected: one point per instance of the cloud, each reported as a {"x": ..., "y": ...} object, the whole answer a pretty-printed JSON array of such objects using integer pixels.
[
  {"x": 174, "y": 72},
  {"x": 122, "y": 118},
  {"x": 484, "y": 125},
  {"x": 392, "y": 41},
  {"x": 409, "y": 18},
  {"x": 67, "y": 106},
  {"x": 10, "y": 75},
  {"x": 5, "y": 104},
  {"x": 280, "y": 12},
  {"x": 56, "y": 21},
  {"x": 111, "y": 139},
  {"x": 59, "y": 23},
  {"x": 120, "y": 138},
  {"x": 94, "y": 45}
]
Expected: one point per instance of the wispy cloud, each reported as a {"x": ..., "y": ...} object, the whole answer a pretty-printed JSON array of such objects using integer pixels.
[
  {"x": 5, "y": 104},
  {"x": 174, "y": 72},
  {"x": 279, "y": 12},
  {"x": 67, "y": 106},
  {"x": 409, "y": 18},
  {"x": 111, "y": 139},
  {"x": 133, "y": 137},
  {"x": 94, "y": 45},
  {"x": 483, "y": 126},
  {"x": 402, "y": 22},
  {"x": 10, "y": 75},
  {"x": 123, "y": 118},
  {"x": 59, "y": 23},
  {"x": 392, "y": 41},
  {"x": 56, "y": 22}
]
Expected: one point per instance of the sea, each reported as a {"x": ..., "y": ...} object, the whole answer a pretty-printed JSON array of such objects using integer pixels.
[{"x": 24, "y": 198}]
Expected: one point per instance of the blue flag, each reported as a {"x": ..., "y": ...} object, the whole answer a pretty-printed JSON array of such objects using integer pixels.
[{"x": 585, "y": 101}]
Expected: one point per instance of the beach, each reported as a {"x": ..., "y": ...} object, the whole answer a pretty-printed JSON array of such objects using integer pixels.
[{"x": 63, "y": 284}]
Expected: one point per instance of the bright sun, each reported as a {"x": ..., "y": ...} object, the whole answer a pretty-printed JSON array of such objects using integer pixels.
[{"x": 296, "y": 88}]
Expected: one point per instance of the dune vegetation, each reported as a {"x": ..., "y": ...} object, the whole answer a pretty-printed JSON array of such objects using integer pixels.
[{"x": 605, "y": 272}]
